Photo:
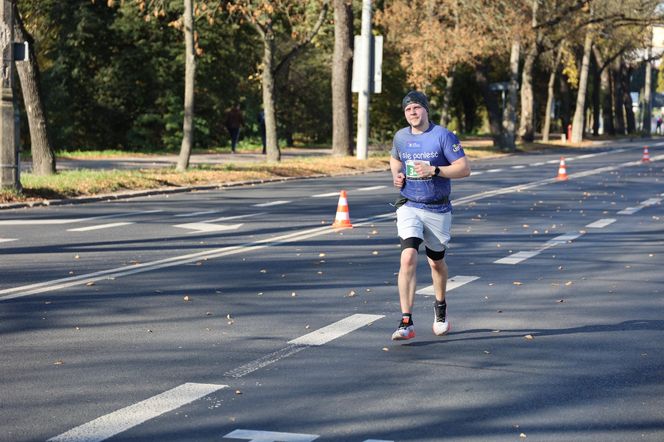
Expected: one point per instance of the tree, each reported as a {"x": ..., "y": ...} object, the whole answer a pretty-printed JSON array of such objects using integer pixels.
[
  {"x": 43, "y": 158},
  {"x": 285, "y": 25},
  {"x": 342, "y": 65},
  {"x": 190, "y": 78},
  {"x": 579, "y": 112}
]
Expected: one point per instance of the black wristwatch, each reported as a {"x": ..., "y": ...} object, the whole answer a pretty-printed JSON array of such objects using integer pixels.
[{"x": 436, "y": 171}]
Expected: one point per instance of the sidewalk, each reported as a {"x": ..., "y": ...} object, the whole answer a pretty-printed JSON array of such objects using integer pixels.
[{"x": 164, "y": 161}]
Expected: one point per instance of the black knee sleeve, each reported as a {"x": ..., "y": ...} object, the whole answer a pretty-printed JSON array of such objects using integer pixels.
[
  {"x": 436, "y": 256},
  {"x": 410, "y": 243}
]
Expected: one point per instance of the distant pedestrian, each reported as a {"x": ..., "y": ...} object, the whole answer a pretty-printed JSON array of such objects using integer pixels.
[
  {"x": 424, "y": 158},
  {"x": 658, "y": 128},
  {"x": 261, "y": 126},
  {"x": 234, "y": 122}
]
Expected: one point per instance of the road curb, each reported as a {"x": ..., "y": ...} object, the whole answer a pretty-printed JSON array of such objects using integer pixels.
[{"x": 167, "y": 190}]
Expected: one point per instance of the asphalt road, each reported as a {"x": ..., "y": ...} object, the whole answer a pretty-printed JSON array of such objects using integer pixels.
[{"x": 239, "y": 314}]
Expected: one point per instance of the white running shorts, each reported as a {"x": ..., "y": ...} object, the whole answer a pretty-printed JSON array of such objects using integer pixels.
[{"x": 433, "y": 228}]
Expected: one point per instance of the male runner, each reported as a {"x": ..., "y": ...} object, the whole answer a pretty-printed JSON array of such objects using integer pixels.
[{"x": 424, "y": 158}]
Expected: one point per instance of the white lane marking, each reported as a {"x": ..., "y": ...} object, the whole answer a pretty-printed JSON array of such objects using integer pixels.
[
  {"x": 325, "y": 195},
  {"x": 520, "y": 166},
  {"x": 99, "y": 227},
  {"x": 316, "y": 338},
  {"x": 270, "y": 436},
  {"x": 57, "y": 284},
  {"x": 229, "y": 218},
  {"x": 43, "y": 222},
  {"x": 476, "y": 172},
  {"x": 121, "y": 420},
  {"x": 538, "y": 164},
  {"x": 452, "y": 283},
  {"x": 647, "y": 203},
  {"x": 601, "y": 223},
  {"x": 589, "y": 155},
  {"x": 494, "y": 170},
  {"x": 271, "y": 203},
  {"x": 336, "y": 330},
  {"x": 207, "y": 227},
  {"x": 265, "y": 361},
  {"x": 630, "y": 210},
  {"x": 516, "y": 258},
  {"x": 7, "y": 239},
  {"x": 187, "y": 215},
  {"x": 556, "y": 161},
  {"x": 367, "y": 189},
  {"x": 562, "y": 239}
]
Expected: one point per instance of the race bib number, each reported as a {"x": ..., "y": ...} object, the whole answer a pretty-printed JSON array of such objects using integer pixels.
[{"x": 410, "y": 168}]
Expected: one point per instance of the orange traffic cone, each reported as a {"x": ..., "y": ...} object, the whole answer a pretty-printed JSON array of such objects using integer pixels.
[
  {"x": 646, "y": 155},
  {"x": 562, "y": 171},
  {"x": 342, "y": 220}
]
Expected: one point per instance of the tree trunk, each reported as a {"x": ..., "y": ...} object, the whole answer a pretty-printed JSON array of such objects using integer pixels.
[
  {"x": 509, "y": 113},
  {"x": 579, "y": 111},
  {"x": 526, "y": 129},
  {"x": 491, "y": 103},
  {"x": 627, "y": 101},
  {"x": 342, "y": 66},
  {"x": 647, "y": 96},
  {"x": 550, "y": 95},
  {"x": 605, "y": 94},
  {"x": 445, "y": 114},
  {"x": 43, "y": 158},
  {"x": 618, "y": 104},
  {"x": 189, "y": 79},
  {"x": 267, "y": 77},
  {"x": 597, "y": 107}
]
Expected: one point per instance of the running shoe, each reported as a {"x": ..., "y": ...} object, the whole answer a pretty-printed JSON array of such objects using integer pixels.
[
  {"x": 405, "y": 331},
  {"x": 440, "y": 324}
]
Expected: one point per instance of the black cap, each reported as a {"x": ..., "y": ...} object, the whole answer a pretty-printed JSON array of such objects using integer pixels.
[{"x": 415, "y": 97}]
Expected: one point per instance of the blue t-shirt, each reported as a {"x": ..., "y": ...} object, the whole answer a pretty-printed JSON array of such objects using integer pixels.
[{"x": 438, "y": 147}]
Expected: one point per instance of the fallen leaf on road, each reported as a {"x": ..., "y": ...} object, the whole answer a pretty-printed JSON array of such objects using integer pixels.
[
  {"x": 568, "y": 283},
  {"x": 517, "y": 283},
  {"x": 58, "y": 362},
  {"x": 375, "y": 252},
  {"x": 90, "y": 284},
  {"x": 76, "y": 257},
  {"x": 351, "y": 294},
  {"x": 529, "y": 337},
  {"x": 186, "y": 298},
  {"x": 386, "y": 349},
  {"x": 238, "y": 392}
]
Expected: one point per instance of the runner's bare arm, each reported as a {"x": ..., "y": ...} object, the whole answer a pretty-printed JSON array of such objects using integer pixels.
[{"x": 397, "y": 176}]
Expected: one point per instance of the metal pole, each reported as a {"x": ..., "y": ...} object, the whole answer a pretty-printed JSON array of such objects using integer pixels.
[
  {"x": 9, "y": 166},
  {"x": 363, "y": 75}
]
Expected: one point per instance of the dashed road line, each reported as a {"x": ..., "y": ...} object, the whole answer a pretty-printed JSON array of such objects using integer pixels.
[
  {"x": 118, "y": 421},
  {"x": 271, "y": 203},
  {"x": 647, "y": 203},
  {"x": 208, "y": 227},
  {"x": 8, "y": 239},
  {"x": 601, "y": 223},
  {"x": 44, "y": 222},
  {"x": 187, "y": 215},
  {"x": 516, "y": 258},
  {"x": 270, "y": 436},
  {"x": 325, "y": 195},
  {"x": 368, "y": 189},
  {"x": 335, "y": 330},
  {"x": 452, "y": 283},
  {"x": 313, "y": 339},
  {"x": 99, "y": 227}
]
